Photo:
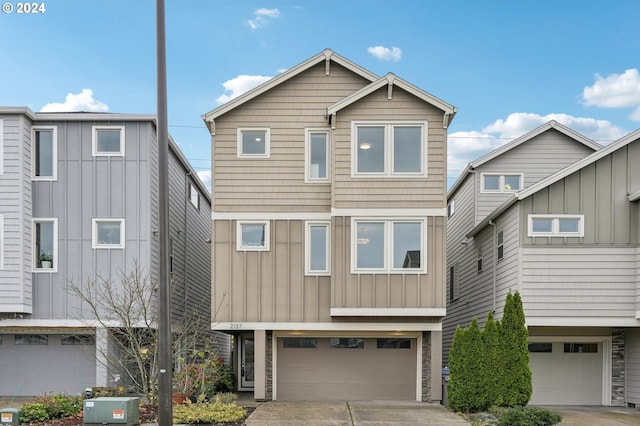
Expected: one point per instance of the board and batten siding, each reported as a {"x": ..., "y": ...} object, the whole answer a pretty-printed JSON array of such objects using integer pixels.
[
  {"x": 15, "y": 207},
  {"x": 278, "y": 183},
  {"x": 579, "y": 282},
  {"x": 632, "y": 366},
  {"x": 536, "y": 159},
  {"x": 377, "y": 192},
  {"x": 90, "y": 187}
]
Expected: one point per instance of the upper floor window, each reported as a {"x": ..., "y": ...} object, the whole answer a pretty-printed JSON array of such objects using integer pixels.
[
  {"x": 194, "y": 195},
  {"x": 252, "y": 235},
  {"x": 500, "y": 245},
  {"x": 108, "y": 233},
  {"x": 544, "y": 225},
  {"x": 31, "y": 339},
  {"x": 389, "y": 149},
  {"x": 453, "y": 282},
  {"x": 254, "y": 142},
  {"x": 388, "y": 245},
  {"x": 317, "y": 155},
  {"x": 451, "y": 208},
  {"x": 108, "y": 140},
  {"x": 44, "y": 153},
  {"x": 317, "y": 248},
  {"x": 45, "y": 244},
  {"x": 479, "y": 259},
  {"x": 502, "y": 182}
]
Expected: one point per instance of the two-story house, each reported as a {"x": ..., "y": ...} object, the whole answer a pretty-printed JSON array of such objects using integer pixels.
[
  {"x": 79, "y": 202},
  {"x": 329, "y": 210},
  {"x": 568, "y": 242}
]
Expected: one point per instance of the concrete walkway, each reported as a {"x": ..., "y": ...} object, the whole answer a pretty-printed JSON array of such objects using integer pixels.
[{"x": 352, "y": 413}]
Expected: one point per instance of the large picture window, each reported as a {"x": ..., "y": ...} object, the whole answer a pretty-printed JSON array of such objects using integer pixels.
[
  {"x": 108, "y": 233},
  {"x": 108, "y": 140},
  {"x": 44, "y": 153},
  {"x": 389, "y": 149},
  {"x": 317, "y": 248},
  {"x": 543, "y": 225},
  {"x": 45, "y": 245},
  {"x": 388, "y": 245},
  {"x": 254, "y": 142},
  {"x": 317, "y": 155},
  {"x": 252, "y": 236}
]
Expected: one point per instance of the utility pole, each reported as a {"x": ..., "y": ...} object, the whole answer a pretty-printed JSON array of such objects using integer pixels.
[{"x": 165, "y": 415}]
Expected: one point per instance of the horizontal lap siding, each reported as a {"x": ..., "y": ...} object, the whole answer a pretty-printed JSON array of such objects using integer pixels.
[
  {"x": 277, "y": 183},
  {"x": 596, "y": 282},
  {"x": 391, "y": 192}
]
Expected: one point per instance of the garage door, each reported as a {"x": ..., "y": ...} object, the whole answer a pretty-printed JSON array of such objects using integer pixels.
[
  {"x": 566, "y": 373},
  {"x": 346, "y": 368},
  {"x": 34, "y": 364}
]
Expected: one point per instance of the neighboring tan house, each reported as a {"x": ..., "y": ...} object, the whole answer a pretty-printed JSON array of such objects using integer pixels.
[
  {"x": 329, "y": 210},
  {"x": 80, "y": 201},
  {"x": 569, "y": 243}
]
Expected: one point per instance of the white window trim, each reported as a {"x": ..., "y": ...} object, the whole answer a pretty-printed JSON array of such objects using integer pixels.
[
  {"x": 54, "y": 156},
  {"x": 267, "y": 142},
  {"x": 193, "y": 190},
  {"x": 35, "y": 255},
  {"x": 451, "y": 208},
  {"x": 388, "y": 249},
  {"x": 555, "y": 225},
  {"x": 94, "y": 141},
  {"x": 94, "y": 233},
  {"x": 388, "y": 149},
  {"x": 267, "y": 235},
  {"x": 498, "y": 245},
  {"x": 307, "y": 248},
  {"x": 501, "y": 185},
  {"x": 307, "y": 155}
]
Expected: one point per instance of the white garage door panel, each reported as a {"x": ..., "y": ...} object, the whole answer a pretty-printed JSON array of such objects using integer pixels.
[
  {"x": 32, "y": 370},
  {"x": 566, "y": 378},
  {"x": 325, "y": 373}
]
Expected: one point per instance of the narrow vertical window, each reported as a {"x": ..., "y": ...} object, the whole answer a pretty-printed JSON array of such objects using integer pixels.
[
  {"x": 194, "y": 196},
  {"x": 500, "y": 245},
  {"x": 317, "y": 248},
  {"x": 453, "y": 294},
  {"x": 407, "y": 241},
  {"x": 317, "y": 155},
  {"x": 370, "y": 245},
  {"x": 479, "y": 259},
  {"x": 451, "y": 208},
  {"x": 45, "y": 249},
  {"x": 44, "y": 153}
]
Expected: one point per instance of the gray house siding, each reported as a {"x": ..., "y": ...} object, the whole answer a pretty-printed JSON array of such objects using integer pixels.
[{"x": 632, "y": 366}]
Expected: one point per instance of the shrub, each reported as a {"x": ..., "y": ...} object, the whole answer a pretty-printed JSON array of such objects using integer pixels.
[
  {"x": 100, "y": 391},
  {"x": 207, "y": 412},
  {"x": 526, "y": 416},
  {"x": 51, "y": 407},
  {"x": 34, "y": 412}
]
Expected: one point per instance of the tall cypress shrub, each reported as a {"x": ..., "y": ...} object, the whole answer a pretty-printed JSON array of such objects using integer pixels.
[
  {"x": 493, "y": 366},
  {"x": 515, "y": 385}
]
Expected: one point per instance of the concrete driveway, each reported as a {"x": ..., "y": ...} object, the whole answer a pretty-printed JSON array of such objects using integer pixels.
[
  {"x": 596, "y": 415},
  {"x": 350, "y": 413}
]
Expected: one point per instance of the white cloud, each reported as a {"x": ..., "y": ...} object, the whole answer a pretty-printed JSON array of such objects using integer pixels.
[
  {"x": 467, "y": 146},
  {"x": 205, "y": 177},
  {"x": 262, "y": 17},
  {"x": 83, "y": 101},
  {"x": 615, "y": 91},
  {"x": 239, "y": 85},
  {"x": 386, "y": 54}
]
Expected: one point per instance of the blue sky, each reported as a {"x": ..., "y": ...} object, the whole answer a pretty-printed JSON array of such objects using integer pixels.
[{"x": 509, "y": 66}]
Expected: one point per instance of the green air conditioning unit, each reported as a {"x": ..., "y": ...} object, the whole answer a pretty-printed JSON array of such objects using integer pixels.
[
  {"x": 111, "y": 411},
  {"x": 10, "y": 416}
]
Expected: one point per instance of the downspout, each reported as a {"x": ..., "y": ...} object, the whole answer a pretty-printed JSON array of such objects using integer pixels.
[{"x": 495, "y": 261}]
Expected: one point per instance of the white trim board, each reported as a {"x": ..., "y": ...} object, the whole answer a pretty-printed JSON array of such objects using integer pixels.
[{"x": 326, "y": 326}]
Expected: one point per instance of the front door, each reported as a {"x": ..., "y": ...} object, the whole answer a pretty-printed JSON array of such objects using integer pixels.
[{"x": 246, "y": 363}]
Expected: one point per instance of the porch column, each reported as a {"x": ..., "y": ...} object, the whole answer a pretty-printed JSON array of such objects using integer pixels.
[{"x": 260, "y": 364}]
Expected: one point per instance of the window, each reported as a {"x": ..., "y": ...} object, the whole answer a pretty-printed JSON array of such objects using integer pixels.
[
  {"x": 385, "y": 149},
  {"x": 346, "y": 343},
  {"x": 31, "y": 339},
  {"x": 44, "y": 153},
  {"x": 397, "y": 343},
  {"x": 252, "y": 236},
  {"x": 299, "y": 342},
  {"x": 540, "y": 347},
  {"x": 479, "y": 258},
  {"x": 556, "y": 225},
  {"x": 45, "y": 244},
  {"x": 253, "y": 142},
  {"x": 78, "y": 339},
  {"x": 500, "y": 245},
  {"x": 317, "y": 155},
  {"x": 501, "y": 183},
  {"x": 453, "y": 283},
  {"x": 317, "y": 248},
  {"x": 388, "y": 245},
  {"x": 194, "y": 195},
  {"x": 108, "y": 140},
  {"x": 582, "y": 348},
  {"x": 108, "y": 233},
  {"x": 451, "y": 208}
]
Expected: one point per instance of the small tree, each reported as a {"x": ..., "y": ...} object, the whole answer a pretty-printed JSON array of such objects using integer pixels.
[
  {"x": 493, "y": 366},
  {"x": 515, "y": 384}
]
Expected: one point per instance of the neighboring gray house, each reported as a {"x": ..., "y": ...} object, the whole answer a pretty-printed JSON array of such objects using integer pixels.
[
  {"x": 329, "y": 189},
  {"x": 569, "y": 243},
  {"x": 79, "y": 199}
]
